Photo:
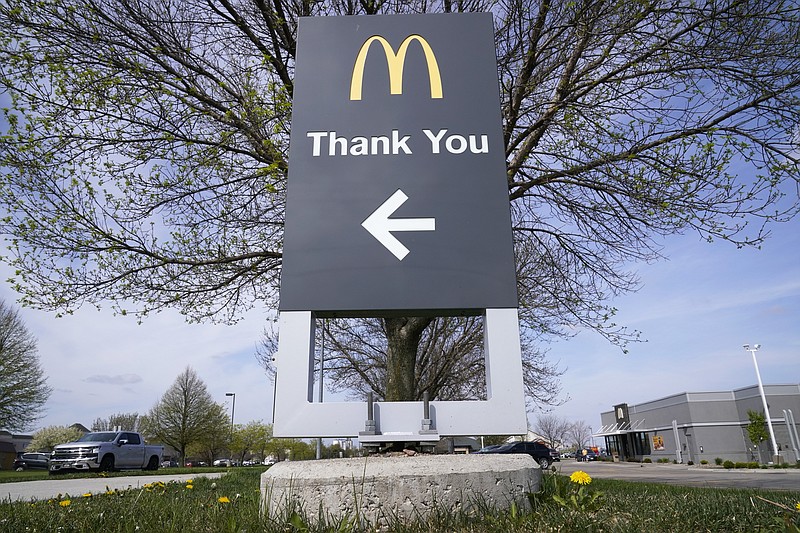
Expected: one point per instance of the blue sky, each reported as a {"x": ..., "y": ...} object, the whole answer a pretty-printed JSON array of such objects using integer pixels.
[{"x": 695, "y": 310}]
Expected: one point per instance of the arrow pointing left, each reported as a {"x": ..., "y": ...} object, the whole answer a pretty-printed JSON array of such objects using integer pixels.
[{"x": 381, "y": 226}]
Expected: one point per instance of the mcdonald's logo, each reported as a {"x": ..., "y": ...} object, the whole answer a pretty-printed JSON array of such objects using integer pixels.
[{"x": 395, "y": 63}]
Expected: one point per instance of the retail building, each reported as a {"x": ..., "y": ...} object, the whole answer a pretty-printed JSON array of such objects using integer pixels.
[{"x": 692, "y": 426}]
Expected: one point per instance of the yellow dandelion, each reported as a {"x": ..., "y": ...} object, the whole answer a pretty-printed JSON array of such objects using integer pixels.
[
  {"x": 797, "y": 506},
  {"x": 87, "y": 495},
  {"x": 190, "y": 481},
  {"x": 189, "y": 486},
  {"x": 223, "y": 499},
  {"x": 65, "y": 503},
  {"x": 580, "y": 477}
]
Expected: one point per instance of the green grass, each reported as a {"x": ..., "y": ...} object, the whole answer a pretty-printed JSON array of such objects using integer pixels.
[{"x": 231, "y": 503}]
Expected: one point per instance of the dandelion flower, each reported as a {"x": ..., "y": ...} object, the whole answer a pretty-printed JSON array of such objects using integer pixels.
[
  {"x": 797, "y": 506},
  {"x": 189, "y": 486},
  {"x": 87, "y": 495},
  {"x": 65, "y": 503},
  {"x": 580, "y": 477},
  {"x": 223, "y": 499}
]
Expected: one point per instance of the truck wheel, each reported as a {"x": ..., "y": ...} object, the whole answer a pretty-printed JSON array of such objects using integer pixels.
[
  {"x": 544, "y": 463},
  {"x": 107, "y": 463},
  {"x": 152, "y": 464}
]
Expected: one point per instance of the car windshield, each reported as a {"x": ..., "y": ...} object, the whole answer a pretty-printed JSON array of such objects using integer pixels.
[{"x": 106, "y": 436}]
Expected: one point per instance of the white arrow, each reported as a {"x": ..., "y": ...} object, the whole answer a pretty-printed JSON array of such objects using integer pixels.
[{"x": 380, "y": 225}]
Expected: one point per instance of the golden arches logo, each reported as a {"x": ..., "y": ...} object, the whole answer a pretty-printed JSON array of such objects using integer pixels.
[{"x": 395, "y": 63}]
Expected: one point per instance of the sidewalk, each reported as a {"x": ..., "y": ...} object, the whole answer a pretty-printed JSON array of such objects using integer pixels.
[{"x": 51, "y": 488}]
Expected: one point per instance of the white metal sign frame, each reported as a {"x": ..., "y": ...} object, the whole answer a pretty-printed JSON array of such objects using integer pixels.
[{"x": 300, "y": 416}]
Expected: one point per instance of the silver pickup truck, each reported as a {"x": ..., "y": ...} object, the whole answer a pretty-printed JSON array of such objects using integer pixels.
[{"x": 106, "y": 451}]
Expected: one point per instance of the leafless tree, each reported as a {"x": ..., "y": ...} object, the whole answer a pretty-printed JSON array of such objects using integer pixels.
[
  {"x": 450, "y": 362},
  {"x": 553, "y": 428},
  {"x": 145, "y": 147},
  {"x": 124, "y": 421},
  {"x": 579, "y": 433}
]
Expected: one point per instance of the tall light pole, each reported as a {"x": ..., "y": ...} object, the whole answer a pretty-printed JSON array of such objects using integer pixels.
[
  {"x": 233, "y": 408},
  {"x": 753, "y": 351}
]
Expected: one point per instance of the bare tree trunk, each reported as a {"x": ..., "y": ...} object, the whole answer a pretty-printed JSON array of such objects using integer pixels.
[{"x": 403, "y": 336}]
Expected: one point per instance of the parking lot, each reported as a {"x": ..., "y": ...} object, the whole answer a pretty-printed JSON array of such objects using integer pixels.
[{"x": 690, "y": 476}]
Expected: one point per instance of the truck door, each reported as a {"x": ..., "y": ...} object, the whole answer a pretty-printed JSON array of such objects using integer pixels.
[{"x": 130, "y": 454}]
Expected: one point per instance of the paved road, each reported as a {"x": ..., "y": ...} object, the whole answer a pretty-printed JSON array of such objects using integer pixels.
[
  {"x": 693, "y": 476},
  {"x": 50, "y": 488}
]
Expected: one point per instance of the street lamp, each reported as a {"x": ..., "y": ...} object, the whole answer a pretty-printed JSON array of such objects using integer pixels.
[
  {"x": 753, "y": 351},
  {"x": 233, "y": 407}
]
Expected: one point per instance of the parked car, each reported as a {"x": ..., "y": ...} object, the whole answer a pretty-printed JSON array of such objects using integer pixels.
[
  {"x": 32, "y": 461},
  {"x": 223, "y": 462},
  {"x": 586, "y": 455},
  {"x": 540, "y": 452}
]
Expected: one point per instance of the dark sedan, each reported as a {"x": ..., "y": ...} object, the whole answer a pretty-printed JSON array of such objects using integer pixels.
[
  {"x": 32, "y": 461},
  {"x": 540, "y": 452}
]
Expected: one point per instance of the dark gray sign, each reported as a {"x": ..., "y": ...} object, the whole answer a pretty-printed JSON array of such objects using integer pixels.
[{"x": 397, "y": 196}]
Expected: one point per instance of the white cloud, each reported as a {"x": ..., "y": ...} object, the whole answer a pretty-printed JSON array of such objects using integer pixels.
[{"x": 119, "y": 379}]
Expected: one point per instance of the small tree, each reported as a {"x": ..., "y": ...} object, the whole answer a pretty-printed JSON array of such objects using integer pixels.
[
  {"x": 216, "y": 438},
  {"x": 185, "y": 414},
  {"x": 48, "y": 438},
  {"x": 757, "y": 429},
  {"x": 290, "y": 449},
  {"x": 250, "y": 438},
  {"x": 23, "y": 388}
]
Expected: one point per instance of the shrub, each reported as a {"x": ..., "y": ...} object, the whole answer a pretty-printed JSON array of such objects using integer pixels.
[
  {"x": 703, "y": 462},
  {"x": 718, "y": 461},
  {"x": 647, "y": 460},
  {"x": 690, "y": 463},
  {"x": 728, "y": 464}
]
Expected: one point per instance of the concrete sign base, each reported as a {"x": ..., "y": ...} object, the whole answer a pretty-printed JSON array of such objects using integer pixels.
[
  {"x": 376, "y": 491},
  {"x": 297, "y": 415}
]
